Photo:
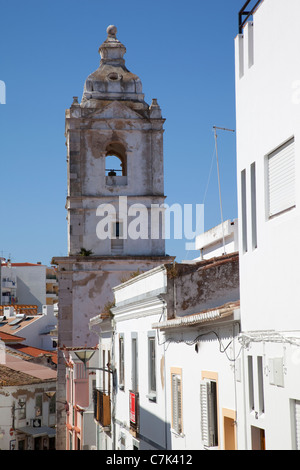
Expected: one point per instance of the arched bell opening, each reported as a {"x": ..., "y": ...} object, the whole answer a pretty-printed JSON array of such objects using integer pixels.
[{"x": 115, "y": 160}]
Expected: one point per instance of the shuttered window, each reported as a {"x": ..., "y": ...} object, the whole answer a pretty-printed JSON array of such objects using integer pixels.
[
  {"x": 176, "y": 403},
  {"x": 121, "y": 361},
  {"x": 297, "y": 423},
  {"x": 281, "y": 178},
  {"x": 209, "y": 413}
]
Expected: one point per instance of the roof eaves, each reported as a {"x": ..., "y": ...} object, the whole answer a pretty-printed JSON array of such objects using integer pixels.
[{"x": 199, "y": 318}]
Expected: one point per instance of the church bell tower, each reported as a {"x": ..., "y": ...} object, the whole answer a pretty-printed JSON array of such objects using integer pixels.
[
  {"x": 115, "y": 163},
  {"x": 115, "y": 195}
]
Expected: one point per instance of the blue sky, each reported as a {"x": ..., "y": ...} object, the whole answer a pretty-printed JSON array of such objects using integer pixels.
[{"x": 184, "y": 54}]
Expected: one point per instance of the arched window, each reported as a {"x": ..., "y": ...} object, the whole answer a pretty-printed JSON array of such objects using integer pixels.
[
  {"x": 113, "y": 166},
  {"x": 116, "y": 160}
]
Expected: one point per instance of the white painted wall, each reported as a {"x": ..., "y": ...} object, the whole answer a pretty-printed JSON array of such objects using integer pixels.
[
  {"x": 193, "y": 364},
  {"x": 34, "y": 332},
  {"x": 31, "y": 285},
  {"x": 268, "y": 113},
  {"x": 137, "y": 308},
  {"x": 222, "y": 239}
]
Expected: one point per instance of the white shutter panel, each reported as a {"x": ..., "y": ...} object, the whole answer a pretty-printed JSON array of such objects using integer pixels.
[
  {"x": 204, "y": 410},
  {"x": 176, "y": 403},
  {"x": 297, "y": 422},
  {"x": 281, "y": 174},
  {"x": 179, "y": 405}
]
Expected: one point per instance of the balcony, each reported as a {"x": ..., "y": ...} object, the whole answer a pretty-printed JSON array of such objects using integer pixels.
[
  {"x": 134, "y": 411},
  {"x": 8, "y": 284},
  {"x": 102, "y": 412}
]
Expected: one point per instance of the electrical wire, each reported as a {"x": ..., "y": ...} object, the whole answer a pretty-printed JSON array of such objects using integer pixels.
[{"x": 222, "y": 349}]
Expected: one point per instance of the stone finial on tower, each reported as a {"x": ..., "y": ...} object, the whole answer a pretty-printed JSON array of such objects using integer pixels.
[
  {"x": 111, "y": 31},
  {"x": 112, "y": 50},
  {"x": 155, "y": 111}
]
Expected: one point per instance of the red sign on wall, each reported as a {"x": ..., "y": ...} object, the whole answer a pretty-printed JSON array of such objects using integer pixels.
[{"x": 132, "y": 408}]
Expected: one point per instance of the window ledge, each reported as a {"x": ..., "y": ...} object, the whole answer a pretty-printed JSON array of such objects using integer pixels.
[
  {"x": 173, "y": 431},
  {"x": 151, "y": 396}
]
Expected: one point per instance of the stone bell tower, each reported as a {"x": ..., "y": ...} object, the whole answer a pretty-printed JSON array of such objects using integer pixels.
[
  {"x": 115, "y": 191},
  {"x": 115, "y": 157}
]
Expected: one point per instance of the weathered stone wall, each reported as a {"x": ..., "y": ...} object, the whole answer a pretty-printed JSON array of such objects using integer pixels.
[{"x": 201, "y": 286}]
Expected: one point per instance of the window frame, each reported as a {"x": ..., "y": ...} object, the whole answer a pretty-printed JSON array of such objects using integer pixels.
[
  {"x": 269, "y": 214},
  {"x": 176, "y": 401},
  {"x": 121, "y": 362},
  {"x": 212, "y": 440},
  {"x": 152, "y": 382}
]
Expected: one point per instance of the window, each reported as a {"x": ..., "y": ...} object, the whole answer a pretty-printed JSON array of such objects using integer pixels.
[
  {"x": 253, "y": 206},
  {"x": 121, "y": 361},
  {"x": 151, "y": 366},
  {"x": 296, "y": 409},
  {"x": 260, "y": 373},
  {"x": 116, "y": 164},
  {"x": 281, "y": 179},
  {"x": 38, "y": 405},
  {"x": 244, "y": 211},
  {"x": 103, "y": 373},
  {"x": 116, "y": 159},
  {"x": 209, "y": 412},
  {"x": 134, "y": 363},
  {"x": 52, "y": 404},
  {"x": 22, "y": 408},
  {"x": 250, "y": 383},
  {"x": 117, "y": 241},
  {"x": 113, "y": 166},
  {"x": 176, "y": 384}
]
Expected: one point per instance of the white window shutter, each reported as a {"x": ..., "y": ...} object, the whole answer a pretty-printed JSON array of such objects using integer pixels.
[
  {"x": 281, "y": 178},
  {"x": 204, "y": 406},
  {"x": 176, "y": 403},
  {"x": 297, "y": 423}
]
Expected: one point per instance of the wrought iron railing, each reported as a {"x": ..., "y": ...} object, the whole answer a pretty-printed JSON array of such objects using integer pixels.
[{"x": 246, "y": 12}]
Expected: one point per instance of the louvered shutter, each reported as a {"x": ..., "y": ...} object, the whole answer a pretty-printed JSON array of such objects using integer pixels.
[
  {"x": 179, "y": 405},
  {"x": 297, "y": 423},
  {"x": 204, "y": 407},
  {"x": 176, "y": 404},
  {"x": 281, "y": 176}
]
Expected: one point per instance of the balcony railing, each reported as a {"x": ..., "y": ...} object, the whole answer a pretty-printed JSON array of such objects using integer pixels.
[
  {"x": 246, "y": 12},
  {"x": 102, "y": 412}
]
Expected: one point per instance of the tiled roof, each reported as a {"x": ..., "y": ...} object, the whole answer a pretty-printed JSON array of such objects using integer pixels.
[
  {"x": 10, "y": 377},
  {"x": 9, "y": 325},
  {"x": 9, "y": 338},
  {"x": 33, "y": 352},
  {"x": 23, "y": 264},
  {"x": 30, "y": 368}
]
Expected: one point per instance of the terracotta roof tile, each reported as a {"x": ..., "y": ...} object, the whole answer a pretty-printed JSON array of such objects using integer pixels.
[
  {"x": 9, "y": 338},
  {"x": 10, "y": 377}
]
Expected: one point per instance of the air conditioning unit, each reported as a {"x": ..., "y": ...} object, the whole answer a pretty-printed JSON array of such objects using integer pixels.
[{"x": 36, "y": 423}]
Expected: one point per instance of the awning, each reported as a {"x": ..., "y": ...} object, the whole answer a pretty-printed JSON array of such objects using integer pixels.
[{"x": 37, "y": 431}]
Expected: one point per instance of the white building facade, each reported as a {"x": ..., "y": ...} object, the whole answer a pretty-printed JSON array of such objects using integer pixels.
[
  {"x": 175, "y": 342},
  {"x": 268, "y": 175}
]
